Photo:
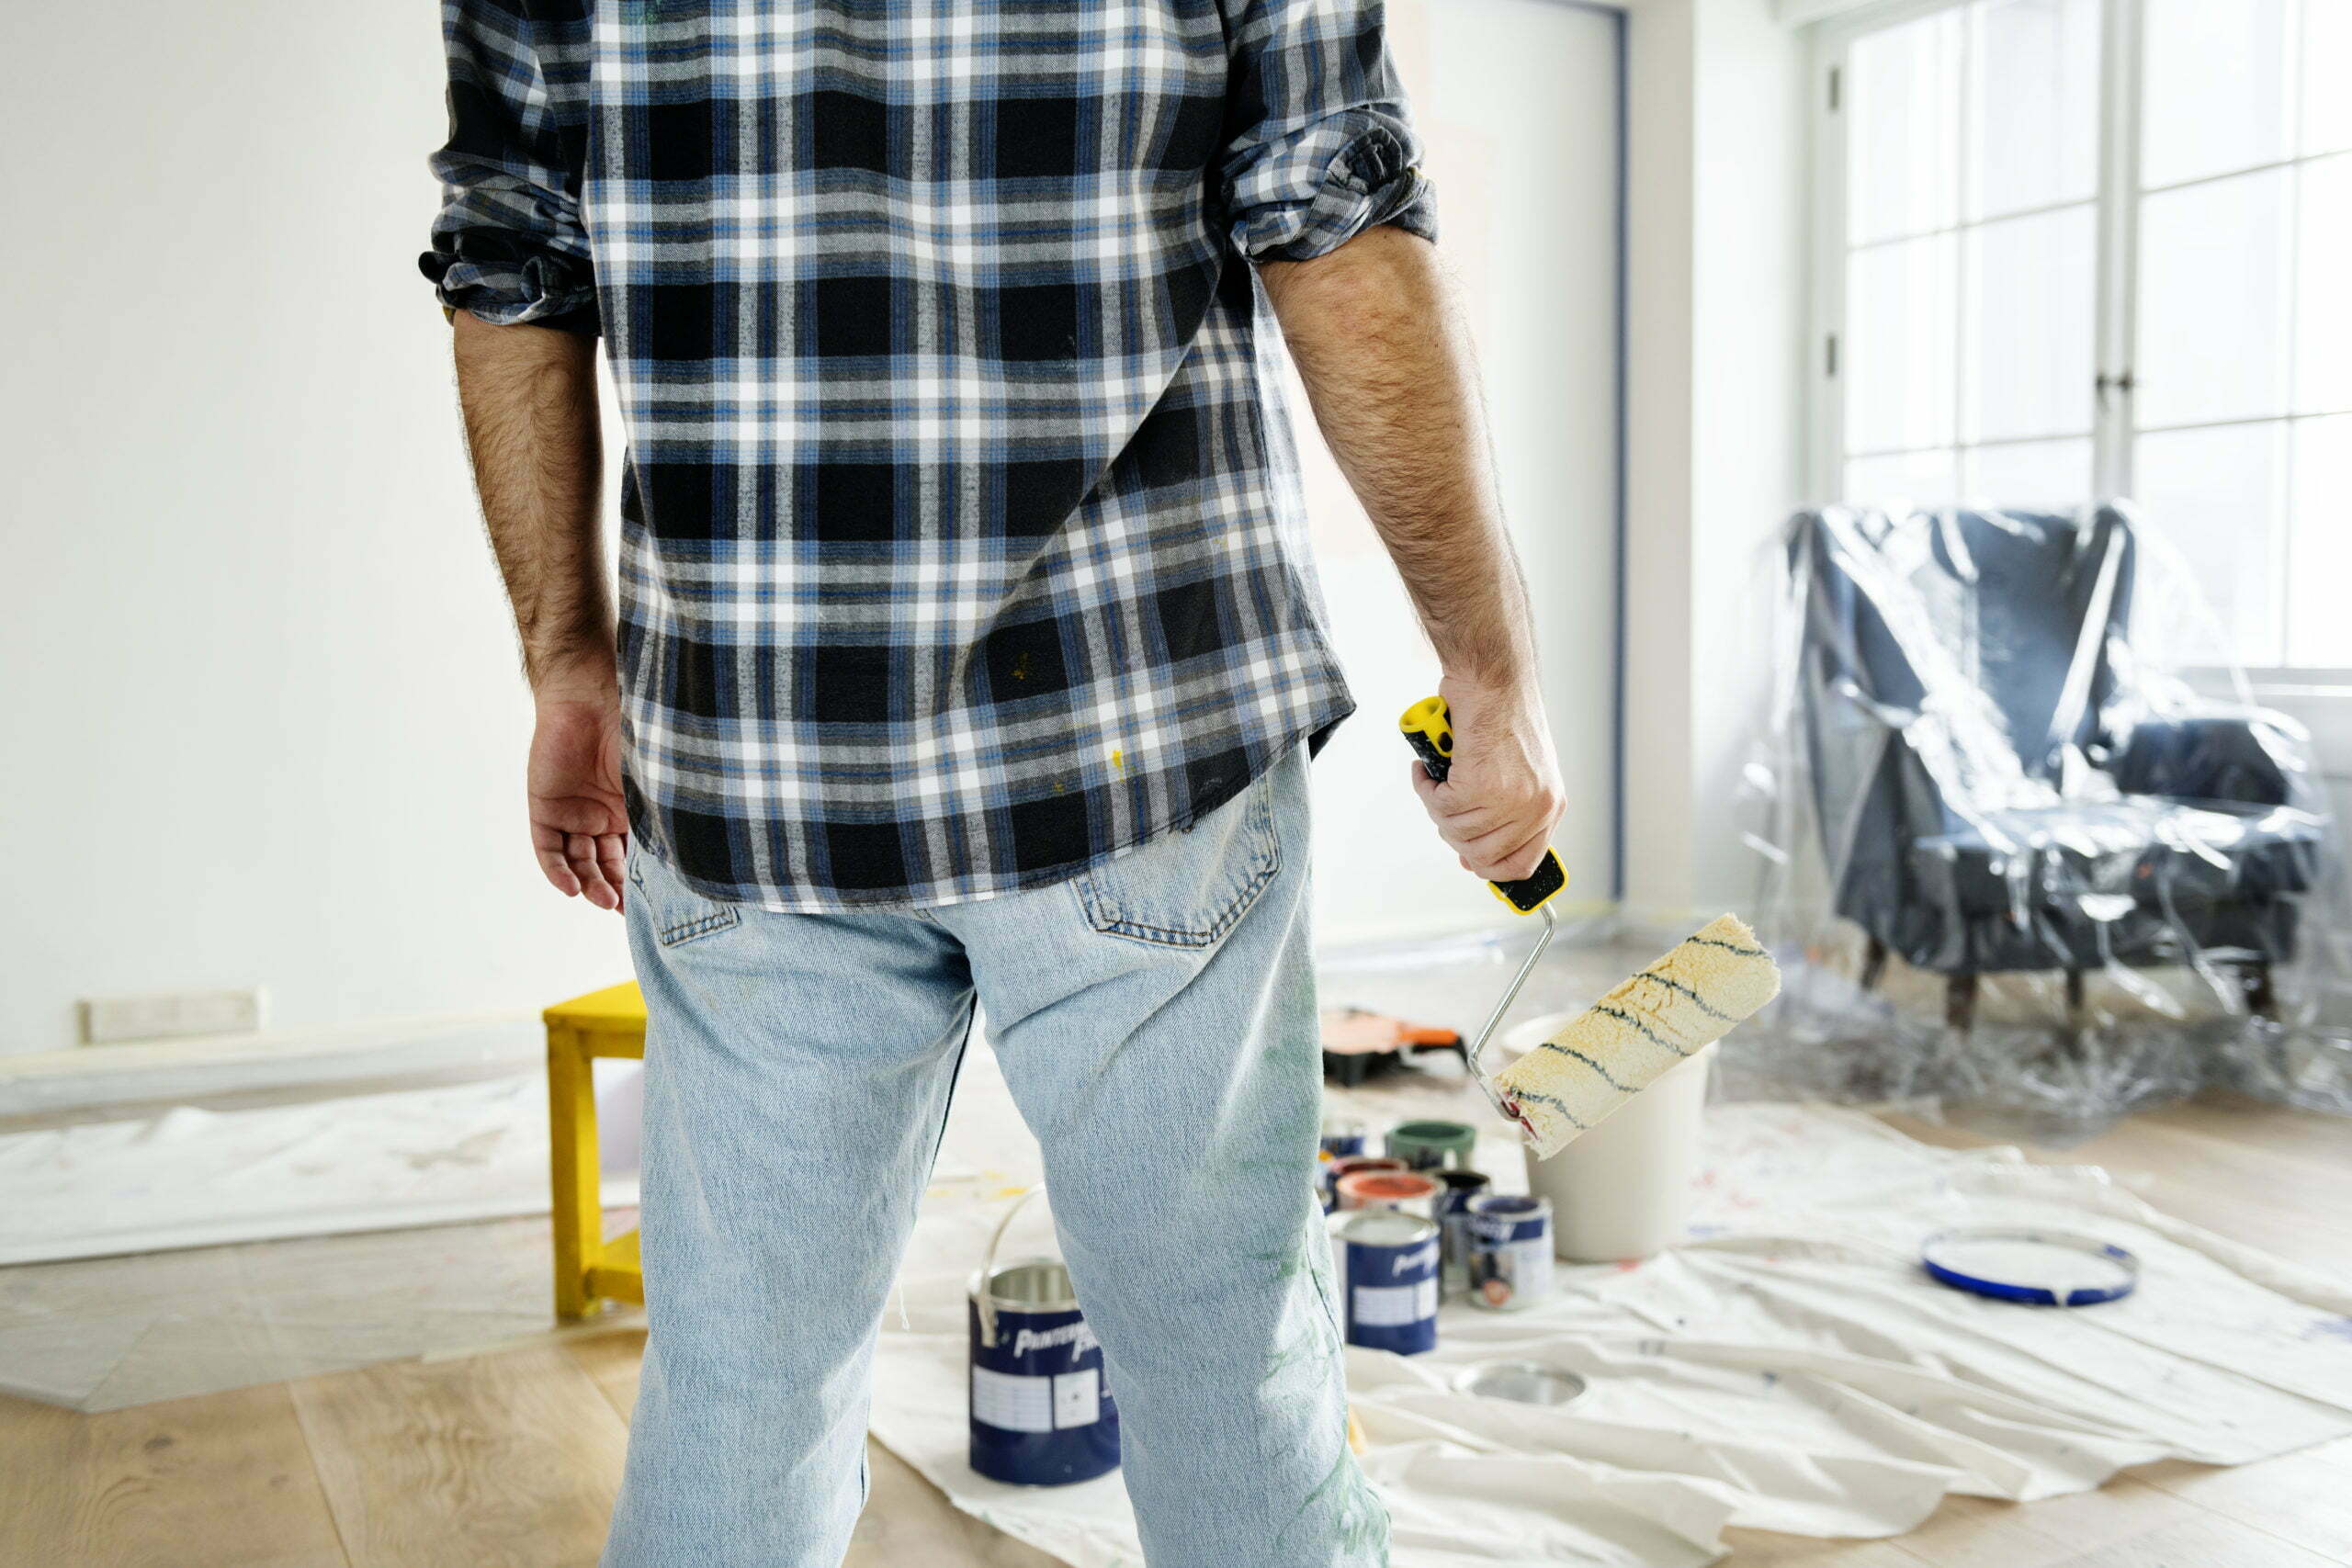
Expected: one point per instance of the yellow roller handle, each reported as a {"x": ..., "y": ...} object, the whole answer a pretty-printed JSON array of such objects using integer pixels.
[{"x": 1429, "y": 728}]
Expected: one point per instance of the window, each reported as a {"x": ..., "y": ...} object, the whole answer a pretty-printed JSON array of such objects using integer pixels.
[{"x": 2077, "y": 247}]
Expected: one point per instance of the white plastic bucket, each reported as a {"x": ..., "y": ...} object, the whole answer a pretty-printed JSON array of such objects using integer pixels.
[{"x": 1623, "y": 1189}]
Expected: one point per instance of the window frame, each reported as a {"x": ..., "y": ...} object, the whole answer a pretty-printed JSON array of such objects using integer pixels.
[
  {"x": 2323, "y": 695},
  {"x": 2113, "y": 222}
]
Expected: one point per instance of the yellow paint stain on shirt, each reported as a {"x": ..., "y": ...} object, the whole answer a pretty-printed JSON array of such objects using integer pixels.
[{"x": 1118, "y": 759}]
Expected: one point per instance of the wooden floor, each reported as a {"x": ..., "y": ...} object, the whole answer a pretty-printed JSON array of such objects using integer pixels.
[{"x": 510, "y": 1461}]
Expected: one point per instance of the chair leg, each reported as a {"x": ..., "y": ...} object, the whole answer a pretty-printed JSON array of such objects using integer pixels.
[
  {"x": 1873, "y": 963},
  {"x": 1960, "y": 1002},
  {"x": 576, "y": 1213},
  {"x": 2075, "y": 1018}
]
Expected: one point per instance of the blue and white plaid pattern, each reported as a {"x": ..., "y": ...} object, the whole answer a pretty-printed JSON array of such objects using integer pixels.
[{"x": 961, "y": 537}]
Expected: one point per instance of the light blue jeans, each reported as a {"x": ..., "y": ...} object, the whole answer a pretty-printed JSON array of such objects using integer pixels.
[{"x": 1156, "y": 1022}]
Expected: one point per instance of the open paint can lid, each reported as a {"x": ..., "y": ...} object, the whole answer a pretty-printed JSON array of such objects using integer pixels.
[
  {"x": 1522, "y": 1382},
  {"x": 2042, "y": 1268}
]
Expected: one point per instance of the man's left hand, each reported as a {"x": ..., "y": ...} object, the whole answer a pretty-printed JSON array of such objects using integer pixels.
[{"x": 579, "y": 823}]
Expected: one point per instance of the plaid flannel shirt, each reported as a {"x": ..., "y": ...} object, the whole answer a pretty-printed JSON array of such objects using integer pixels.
[{"x": 961, "y": 545}]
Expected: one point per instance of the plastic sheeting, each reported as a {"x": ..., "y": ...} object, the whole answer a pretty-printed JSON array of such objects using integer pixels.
[
  {"x": 2032, "y": 846},
  {"x": 1788, "y": 1368}
]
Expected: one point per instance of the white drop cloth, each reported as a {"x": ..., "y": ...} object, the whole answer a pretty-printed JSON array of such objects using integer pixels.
[
  {"x": 188, "y": 1177},
  {"x": 1788, "y": 1368}
]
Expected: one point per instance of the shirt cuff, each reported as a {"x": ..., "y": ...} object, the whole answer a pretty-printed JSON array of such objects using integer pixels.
[
  {"x": 1373, "y": 179},
  {"x": 537, "y": 288}
]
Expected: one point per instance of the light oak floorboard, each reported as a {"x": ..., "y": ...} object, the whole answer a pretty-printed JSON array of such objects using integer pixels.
[
  {"x": 2305, "y": 1498},
  {"x": 611, "y": 1362},
  {"x": 1765, "y": 1549},
  {"x": 219, "y": 1481},
  {"x": 506, "y": 1461},
  {"x": 1981, "y": 1532},
  {"x": 2207, "y": 1541}
]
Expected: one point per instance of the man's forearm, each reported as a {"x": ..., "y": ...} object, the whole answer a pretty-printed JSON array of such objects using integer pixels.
[
  {"x": 1380, "y": 341},
  {"x": 529, "y": 396}
]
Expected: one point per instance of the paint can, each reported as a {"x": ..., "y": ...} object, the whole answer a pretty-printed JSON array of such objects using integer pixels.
[
  {"x": 1350, "y": 1164},
  {"x": 1454, "y": 1238},
  {"x": 1344, "y": 1135},
  {"x": 1386, "y": 1264},
  {"x": 1041, "y": 1413},
  {"x": 1408, "y": 1192},
  {"x": 1433, "y": 1146},
  {"x": 1510, "y": 1250}
]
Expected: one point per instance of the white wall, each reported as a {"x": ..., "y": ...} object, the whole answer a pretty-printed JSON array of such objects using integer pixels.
[
  {"x": 1516, "y": 103},
  {"x": 262, "y": 723},
  {"x": 1715, "y": 430}
]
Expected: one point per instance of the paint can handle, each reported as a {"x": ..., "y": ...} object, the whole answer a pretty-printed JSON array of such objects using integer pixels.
[{"x": 984, "y": 1298}]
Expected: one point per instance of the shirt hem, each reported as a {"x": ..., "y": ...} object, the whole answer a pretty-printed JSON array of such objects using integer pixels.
[{"x": 1327, "y": 716}]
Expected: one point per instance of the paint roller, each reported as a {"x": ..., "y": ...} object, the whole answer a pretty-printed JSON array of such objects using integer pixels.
[{"x": 1615, "y": 1049}]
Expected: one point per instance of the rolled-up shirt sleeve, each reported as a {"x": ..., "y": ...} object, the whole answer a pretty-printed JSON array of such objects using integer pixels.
[
  {"x": 508, "y": 245},
  {"x": 1320, "y": 143}
]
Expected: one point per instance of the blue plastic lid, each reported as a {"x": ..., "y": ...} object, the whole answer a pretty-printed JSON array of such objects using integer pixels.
[{"x": 2042, "y": 1268}]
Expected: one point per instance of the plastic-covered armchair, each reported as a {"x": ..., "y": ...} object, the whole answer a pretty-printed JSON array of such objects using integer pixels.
[{"x": 2001, "y": 787}]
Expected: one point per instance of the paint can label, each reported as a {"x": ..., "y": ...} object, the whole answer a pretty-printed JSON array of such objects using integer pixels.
[{"x": 1509, "y": 1257}]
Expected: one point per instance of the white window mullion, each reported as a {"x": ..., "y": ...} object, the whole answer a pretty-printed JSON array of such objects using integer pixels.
[
  {"x": 2119, "y": 260},
  {"x": 1825, "y": 379},
  {"x": 1966, "y": 215}
]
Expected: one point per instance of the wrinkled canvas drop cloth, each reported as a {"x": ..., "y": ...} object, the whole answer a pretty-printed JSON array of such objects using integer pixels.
[
  {"x": 1788, "y": 1368},
  {"x": 190, "y": 1177}
]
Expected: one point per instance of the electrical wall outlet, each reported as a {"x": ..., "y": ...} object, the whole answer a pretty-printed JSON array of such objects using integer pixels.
[{"x": 109, "y": 1020}]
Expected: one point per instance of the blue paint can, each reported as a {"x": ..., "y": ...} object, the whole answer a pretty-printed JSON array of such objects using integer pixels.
[
  {"x": 1387, "y": 1261},
  {"x": 1040, "y": 1412},
  {"x": 1510, "y": 1250},
  {"x": 1343, "y": 1136}
]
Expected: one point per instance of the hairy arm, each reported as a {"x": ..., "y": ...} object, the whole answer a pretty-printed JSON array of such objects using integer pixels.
[
  {"x": 530, "y": 397},
  {"x": 1380, "y": 341}
]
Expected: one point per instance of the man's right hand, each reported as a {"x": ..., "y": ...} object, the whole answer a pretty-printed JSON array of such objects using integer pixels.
[
  {"x": 1502, "y": 798},
  {"x": 578, "y": 821}
]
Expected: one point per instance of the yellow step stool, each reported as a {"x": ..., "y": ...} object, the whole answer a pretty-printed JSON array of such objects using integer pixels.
[{"x": 589, "y": 1269}]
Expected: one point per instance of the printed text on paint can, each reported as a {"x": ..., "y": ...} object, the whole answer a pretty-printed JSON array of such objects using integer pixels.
[{"x": 1072, "y": 1333}]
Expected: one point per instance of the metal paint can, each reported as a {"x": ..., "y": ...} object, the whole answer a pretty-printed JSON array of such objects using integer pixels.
[
  {"x": 1453, "y": 1239},
  {"x": 1433, "y": 1146},
  {"x": 1510, "y": 1250},
  {"x": 1350, "y": 1164},
  {"x": 1344, "y": 1135},
  {"x": 1386, "y": 1264},
  {"x": 1409, "y": 1191},
  {"x": 1041, "y": 1413}
]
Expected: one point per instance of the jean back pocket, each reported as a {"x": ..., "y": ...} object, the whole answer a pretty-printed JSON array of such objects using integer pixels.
[
  {"x": 1187, "y": 888},
  {"x": 674, "y": 912}
]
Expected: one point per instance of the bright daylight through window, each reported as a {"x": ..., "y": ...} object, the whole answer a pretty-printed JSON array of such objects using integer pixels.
[{"x": 2078, "y": 247}]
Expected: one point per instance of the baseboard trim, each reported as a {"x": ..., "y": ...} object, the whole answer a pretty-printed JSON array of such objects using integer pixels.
[{"x": 39, "y": 1082}]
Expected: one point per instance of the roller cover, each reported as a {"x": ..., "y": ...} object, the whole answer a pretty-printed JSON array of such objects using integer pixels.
[{"x": 1617, "y": 1047}]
